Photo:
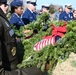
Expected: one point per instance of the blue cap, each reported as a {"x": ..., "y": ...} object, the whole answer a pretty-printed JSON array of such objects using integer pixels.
[{"x": 16, "y": 3}]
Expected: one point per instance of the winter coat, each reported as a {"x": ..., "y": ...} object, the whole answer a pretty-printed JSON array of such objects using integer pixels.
[{"x": 8, "y": 52}]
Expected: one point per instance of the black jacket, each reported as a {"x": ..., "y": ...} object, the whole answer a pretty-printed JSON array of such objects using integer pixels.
[
  {"x": 7, "y": 44},
  {"x": 8, "y": 54}
]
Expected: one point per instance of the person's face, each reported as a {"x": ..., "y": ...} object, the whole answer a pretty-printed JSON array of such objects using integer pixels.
[
  {"x": 19, "y": 10},
  {"x": 45, "y": 10},
  {"x": 60, "y": 10},
  {"x": 4, "y": 8},
  {"x": 74, "y": 13},
  {"x": 67, "y": 10},
  {"x": 33, "y": 7}
]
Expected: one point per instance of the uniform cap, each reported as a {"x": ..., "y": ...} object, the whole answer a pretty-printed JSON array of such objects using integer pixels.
[
  {"x": 27, "y": 1},
  {"x": 16, "y": 3},
  {"x": 3, "y": 1},
  {"x": 45, "y": 6},
  {"x": 32, "y": 2},
  {"x": 69, "y": 6}
]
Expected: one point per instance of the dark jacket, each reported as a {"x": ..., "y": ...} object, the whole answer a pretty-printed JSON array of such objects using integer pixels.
[
  {"x": 28, "y": 16},
  {"x": 16, "y": 21},
  {"x": 66, "y": 16},
  {"x": 8, "y": 54},
  {"x": 7, "y": 44}
]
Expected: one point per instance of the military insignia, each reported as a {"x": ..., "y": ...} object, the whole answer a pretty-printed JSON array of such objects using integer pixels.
[
  {"x": 31, "y": 18},
  {"x": 7, "y": 24},
  {"x": 11, "y": 32},
  {"x": 13, "y": 51},
  {"x": 19, "y": 22}
]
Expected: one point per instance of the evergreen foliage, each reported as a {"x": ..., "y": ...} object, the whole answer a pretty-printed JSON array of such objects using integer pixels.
[{"x": 49, "y": 54}]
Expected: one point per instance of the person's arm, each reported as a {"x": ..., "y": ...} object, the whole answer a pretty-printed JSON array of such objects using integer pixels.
[
  {"x": 0, "y": 47},
  {"x": 26, "y": 21},
  {"x": 55, "y": 15},
  {"x": 22, "y": 71},
  {"x": 1, "y": 29},
  {"x": 61, "y": 16},
  {"x": 25, "y": 18}
]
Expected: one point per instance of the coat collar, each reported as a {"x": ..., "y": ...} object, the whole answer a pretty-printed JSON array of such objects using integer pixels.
[{"x": 3, "y": 15}]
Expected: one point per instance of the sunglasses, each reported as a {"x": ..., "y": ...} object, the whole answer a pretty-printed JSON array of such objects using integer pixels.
[{"x": 34, "y": 4}]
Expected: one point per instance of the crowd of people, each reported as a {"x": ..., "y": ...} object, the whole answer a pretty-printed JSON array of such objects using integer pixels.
[
  {"x": 8, "y": 52},
  {"x": 21, "y": 18}
]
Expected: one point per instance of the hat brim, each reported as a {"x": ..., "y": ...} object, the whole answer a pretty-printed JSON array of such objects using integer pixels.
[
  {"x": 45, "y": 7},
  {"x": 68, "y": 7},
  {"x": 4, "y": 3},
  {"x": 33, "y": 3}
]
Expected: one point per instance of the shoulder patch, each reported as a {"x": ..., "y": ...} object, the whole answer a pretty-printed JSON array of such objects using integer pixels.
[{"x": 11, "y": 32}]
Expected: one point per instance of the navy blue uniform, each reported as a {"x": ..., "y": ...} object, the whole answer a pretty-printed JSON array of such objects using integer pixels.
[
  {"x": 66, "y": 16},
  {"x": 16, "y": 20},
  {"x": 28, "y": 16}
]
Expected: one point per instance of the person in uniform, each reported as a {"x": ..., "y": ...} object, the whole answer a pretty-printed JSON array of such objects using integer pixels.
[
  {"x": 57, "y": 13},
  {"x": 29, "y": 15},
  {"x": 66, "y": 15},
  {"x": 17, "y": 10},
  {"x": 45, "y": 8},
  {"x": 8, "y": 52}
]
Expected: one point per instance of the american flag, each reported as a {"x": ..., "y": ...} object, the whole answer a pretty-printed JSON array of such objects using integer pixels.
[{"x": 41, "y": 44}]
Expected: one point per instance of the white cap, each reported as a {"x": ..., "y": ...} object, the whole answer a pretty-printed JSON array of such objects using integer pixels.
[
  {"x": 68, "y": 6},
  {"x": 27, "y": 0},
  {"x": 45, "y": 5},
  {"x": 31, "y": 1}
]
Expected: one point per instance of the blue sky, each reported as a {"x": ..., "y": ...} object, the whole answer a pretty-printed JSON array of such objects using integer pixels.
[{"x": 57, "y": 2}]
